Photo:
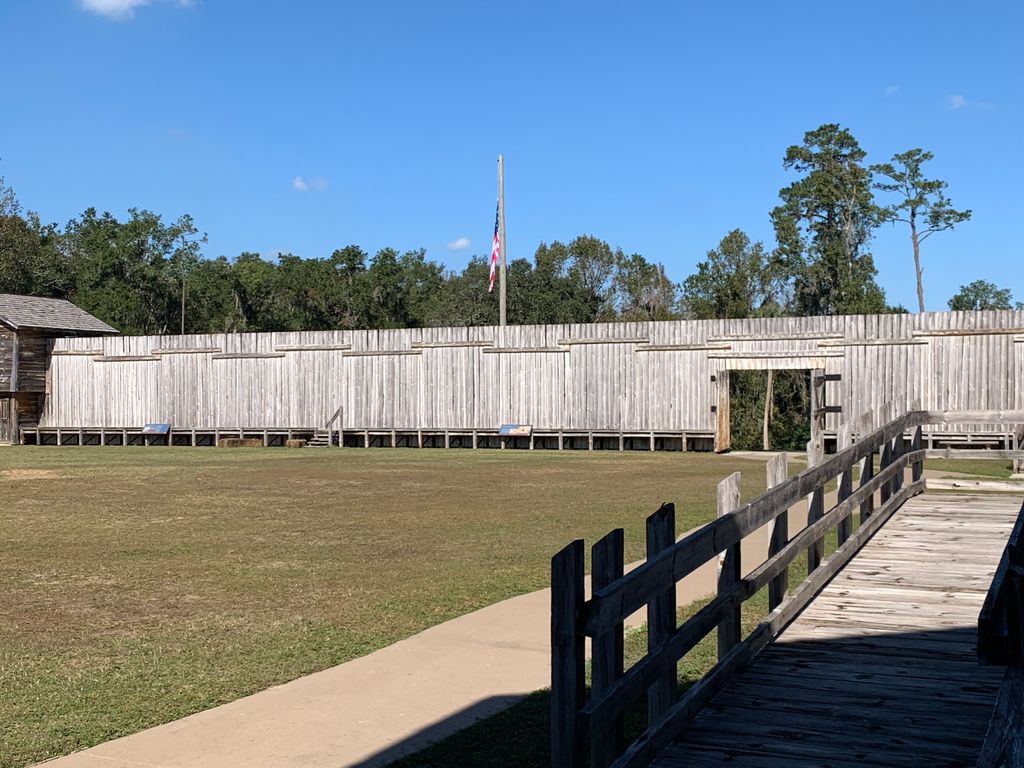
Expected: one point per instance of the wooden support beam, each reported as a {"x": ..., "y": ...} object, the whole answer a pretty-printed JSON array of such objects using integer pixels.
[
  {"x": 845, "y": 527},
  {"x": 815, "y": 504},
  {"x": 729, "y": 566},
  {"x": 778, "y": 471},
  {"x": 568, "y": 671},
  {"x": 607, "y": 657},
  {"x": 661, "y": 611}
]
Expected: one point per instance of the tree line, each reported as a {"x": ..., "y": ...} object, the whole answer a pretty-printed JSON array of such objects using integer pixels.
[{"x": 144, "y": 275}]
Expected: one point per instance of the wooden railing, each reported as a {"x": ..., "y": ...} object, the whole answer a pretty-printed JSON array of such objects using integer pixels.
[
  {"x": 330, "y": 421},
  {"x": 1001, "y": 643},
  {"x": 590, "y": 730}
]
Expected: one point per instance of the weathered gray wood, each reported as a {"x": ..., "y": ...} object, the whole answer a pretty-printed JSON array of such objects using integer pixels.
[
  {"x": 626, "y": 595},
  {"x": 661, "y": 610},
  {"x": 904, "y": 698},
  {"x": 729, "y": 567},
  {"x": 867, "y": 472},
  {"x": 639, "y": 677},
  {"x": 661, "y": 733},
  {"x": 1004, "y": 742},
  {"x": 917, "y": 471},
  {"x": 568, "y": 674},
  {"x": 723, "y": 437},
  {"x": 778, "y": 472},
  {"x": 815, "y": 504},
  {"x": 607, "y": 558},
  {"x": 845, "y": 490},
  {"x": 451, "y": 382},
  {"x": 967, "y": 453},
  {"x": 885, "y": 460},
  {"x": 1001, "y": 621}
]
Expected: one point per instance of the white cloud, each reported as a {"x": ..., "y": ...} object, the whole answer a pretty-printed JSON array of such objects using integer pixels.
[
  {"x": 459, "y": 244},
  {"x": 312, "y": 184},
  {"x": 119, "y": 10},
  {"x": 957, "y": 102},
  {"x": 891, "y": 89}
]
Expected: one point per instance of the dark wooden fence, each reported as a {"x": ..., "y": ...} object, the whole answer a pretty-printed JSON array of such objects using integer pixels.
[
  {"x": 1001, "y": 643},
  {"x": 589, "y": 730}
]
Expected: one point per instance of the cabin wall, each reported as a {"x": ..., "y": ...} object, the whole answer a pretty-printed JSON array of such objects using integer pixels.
[
  {"x": 609, "y": 376},
  {"x": 33, "y": 360},
  {"x": 7, "y": 343}
]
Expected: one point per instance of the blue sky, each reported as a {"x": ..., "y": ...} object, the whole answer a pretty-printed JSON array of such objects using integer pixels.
[{"x": 657, "y": 126}]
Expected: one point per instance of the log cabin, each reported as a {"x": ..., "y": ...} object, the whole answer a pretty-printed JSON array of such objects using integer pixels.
[{"x": 28, "y": 326}]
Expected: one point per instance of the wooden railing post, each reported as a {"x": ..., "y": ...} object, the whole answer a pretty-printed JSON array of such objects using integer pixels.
[
  {"x": 778, "y": 471},
  {"x": 729, "y": 567},
  {"x": 845, "y": 527},
  {"x": 1018, "y": 435},
  {"x": 567, "y": 656},
  {"x": 886, "y": 459},
  {"x": 815, "y": 506},
  {"x": 898, "y": 449},
  {"x": 916, "y": 444},
  {"x": 606, "y": 559},
  {"x": 661, "y": 610},
  {"x": 867, "y": 473}
]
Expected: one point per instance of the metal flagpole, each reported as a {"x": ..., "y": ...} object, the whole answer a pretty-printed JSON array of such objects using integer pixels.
[{"x": 501, "y": 239}]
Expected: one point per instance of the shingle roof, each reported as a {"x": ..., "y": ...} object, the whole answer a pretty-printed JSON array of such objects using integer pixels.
[{"x": 48, "y": 314}]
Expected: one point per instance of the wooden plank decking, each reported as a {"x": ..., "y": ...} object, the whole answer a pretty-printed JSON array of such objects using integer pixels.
[{"x": 880, "y": 669}]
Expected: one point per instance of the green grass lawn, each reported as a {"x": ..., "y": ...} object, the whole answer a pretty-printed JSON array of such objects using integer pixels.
[
  {"x": 980, "y": 467},
  {"x": 141, "y": 585}
]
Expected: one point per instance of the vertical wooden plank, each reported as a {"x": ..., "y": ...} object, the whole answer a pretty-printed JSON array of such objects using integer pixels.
[
  {"x": 661, "y": 610},
  {"x": 567, "y": 656},
  {"x": 884, "y": 461},
  {"x": 817, "y": 406},
  {"x": 898, "y": 449},
  {"x": 918, "y": 466},
  {"x": 607, "y": 557},
  {"x": 845, "y": 527},
  {"x": 867, "y": 472},
  {"x": 815, "y": 506},
  {"x": 729, "y": 566},
  {"x": 778, "y": 471},
  {"x": 723, "y": 437}
]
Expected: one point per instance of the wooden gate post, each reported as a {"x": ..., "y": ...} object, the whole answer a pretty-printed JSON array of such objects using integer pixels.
[
  {"x": 723, "y": 436},
  {"x": 729, "y": 567},
  {"x": 815, "y": 506},
  {"x": 606, "y": 559},
  {"x": 567, "y": 656},
  {"x": 661, "y": 611},
  {"x": 778, "y": 471},
  {"x": 845, "y": 528}
]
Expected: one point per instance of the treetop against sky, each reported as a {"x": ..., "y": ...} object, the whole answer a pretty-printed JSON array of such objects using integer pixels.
[{"x": 302, "y": 127}]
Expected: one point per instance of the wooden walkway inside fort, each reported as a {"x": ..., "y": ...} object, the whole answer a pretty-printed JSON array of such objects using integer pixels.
[
  {"x": 881, "y": 668},
  {"x": 902, "y": 646}
]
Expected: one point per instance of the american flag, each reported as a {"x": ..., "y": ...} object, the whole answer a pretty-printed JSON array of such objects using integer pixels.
[{"x": 495, "y": 249}]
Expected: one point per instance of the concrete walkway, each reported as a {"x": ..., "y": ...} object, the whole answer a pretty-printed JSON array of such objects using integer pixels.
[{"x": 377, "y": 708}]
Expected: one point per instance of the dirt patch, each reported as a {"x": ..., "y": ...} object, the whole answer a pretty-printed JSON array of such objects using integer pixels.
[{"x": 30, "y": 474}]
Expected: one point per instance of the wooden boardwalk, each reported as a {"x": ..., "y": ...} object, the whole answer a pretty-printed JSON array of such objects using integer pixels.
[{"x": 880, "y": 669}]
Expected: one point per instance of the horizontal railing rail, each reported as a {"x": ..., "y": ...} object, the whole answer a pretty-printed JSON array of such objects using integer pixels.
[{"x": 588, "y": 730}]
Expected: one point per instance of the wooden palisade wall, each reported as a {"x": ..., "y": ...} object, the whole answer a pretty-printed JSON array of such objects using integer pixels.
[{"x": 611, "y": 376}]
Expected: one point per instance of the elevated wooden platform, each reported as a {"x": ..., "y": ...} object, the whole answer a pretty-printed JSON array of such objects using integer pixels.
[{"x": 881, "y": 668}]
